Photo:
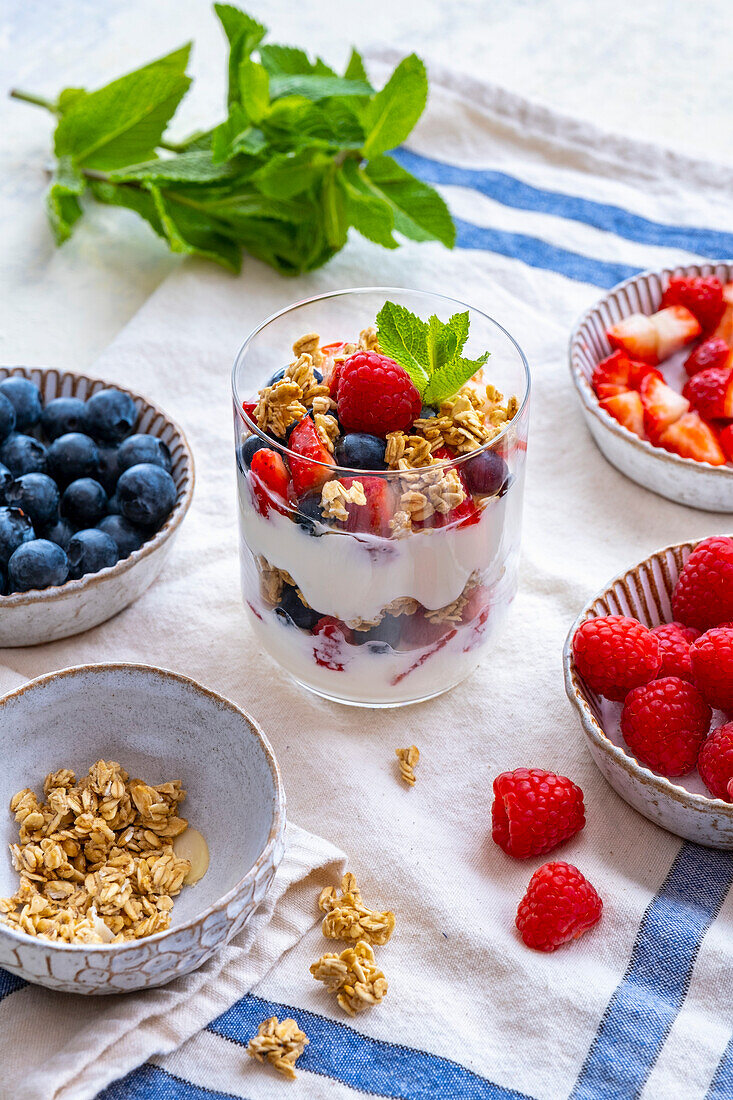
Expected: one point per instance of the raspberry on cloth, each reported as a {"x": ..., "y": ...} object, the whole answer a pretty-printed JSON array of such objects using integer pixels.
[
  {"x": 534, "y": 811},
  {"x": 559, "y": 905}
]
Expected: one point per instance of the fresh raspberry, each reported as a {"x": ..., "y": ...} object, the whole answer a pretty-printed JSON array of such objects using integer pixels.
[
  {"x": 715, "y": 762},
  {"x": 712, "y": 666},
  {"x": 703, "y": 595},
  {"x": 710, "y": 353},
  {"x": 534, "y": 811},
  {"x": 270, "y": 480},
  {"x": 664, "y": 724},
  {"x": 376, "y": 395},
  {"x": 331, "y": 638},
  {"x": 674, "y": 646},
  {"x": 615, "y": 654},
  {"x": 560, "y": 905},
  {"x": 702, "y": 295}
]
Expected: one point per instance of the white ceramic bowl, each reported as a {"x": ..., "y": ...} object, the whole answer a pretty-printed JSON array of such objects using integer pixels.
[
  {"x": 697, "y": 484},
  {"x": 159, "y": 726},
  {"x": 683, "y": 805},
  {"x": 45, "y": 615}
]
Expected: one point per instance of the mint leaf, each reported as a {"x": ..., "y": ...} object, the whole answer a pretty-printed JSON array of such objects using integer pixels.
[
  {"x": 236, "y": 135},
  {"x": 289, "y": 61},
  {"x": 419, "y": 211},
  {"x": 335, "y": 225},
  {"x": 288, "y": 174},
  {"x": 189, "y": 167},
  {"x": 124, "y": 121},
  {"x": 393, "y": 112},
  {"x": 68, "y": 97},
  {"x": 370, "y": 214},
  {"x": 314, "y": 86},
  {"x": 62, "y": 200},
  {"x": 430, "y": 351},
  {"x": 254, "y": 89},
  {"x": 244, "y": 34},
  {"x": 355, "y": 69},
  {"x": 404, "y": 338},
  {"x": 194, "y": 233}
]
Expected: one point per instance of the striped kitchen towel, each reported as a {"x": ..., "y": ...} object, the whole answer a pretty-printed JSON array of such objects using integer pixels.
[{"x": 550, "y": 212}]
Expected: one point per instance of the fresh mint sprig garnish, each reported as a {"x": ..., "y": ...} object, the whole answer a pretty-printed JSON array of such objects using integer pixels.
[
  {"x": 301, "y": 157},
  {"x": 430, "y": 351}
]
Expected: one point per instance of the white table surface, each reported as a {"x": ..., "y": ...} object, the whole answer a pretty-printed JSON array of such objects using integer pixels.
[{"x": 655, "y": 69}]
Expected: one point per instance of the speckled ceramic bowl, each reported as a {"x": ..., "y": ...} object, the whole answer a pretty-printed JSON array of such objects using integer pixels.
[
  {"x": 45, "y": 615},
  {"x": 697, "y": 484},
  {"x": 683, "y": 806},
  {"x": 159, "y": 726}
]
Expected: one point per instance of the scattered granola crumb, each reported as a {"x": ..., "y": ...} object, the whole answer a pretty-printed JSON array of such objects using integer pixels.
[
  {"x": 347, "y": 918},
  {"x": 96, "y": 859},
  {"x": 353, "y": 976},
  {"x": 335, "y": 496},
  {"x": 408, "y": 758},
  {"x": 279, "y": 1043}
]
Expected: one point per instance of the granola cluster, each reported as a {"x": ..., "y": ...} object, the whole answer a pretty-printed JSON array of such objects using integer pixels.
[
  {"x": 96, "y": 858},
  {"x": 335, "y": 496},
  {"x": 347, "y": 918},
  {"x": 279, "y": 1042},
  {"x": 408, "y": 758},
  {"x": 353, "y": 976}
]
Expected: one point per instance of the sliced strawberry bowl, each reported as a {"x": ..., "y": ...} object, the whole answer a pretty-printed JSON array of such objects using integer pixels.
[{"x": 652, "y": 363}]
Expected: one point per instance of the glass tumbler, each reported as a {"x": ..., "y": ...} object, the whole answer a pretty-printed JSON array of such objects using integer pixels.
[{"x": 363, "y": 610}]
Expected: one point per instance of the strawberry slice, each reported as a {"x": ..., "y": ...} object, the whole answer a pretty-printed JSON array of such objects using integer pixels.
[
  {"x": 676, "y": 327},
  {"x": 617, "y": 373},
  {"x": 637, "y": 336},
  {"x": 711, "y": 393},
  {"x": 725, "y": 325},
  {"x": 702, "y": 295},
  {"x": 331, "y": 637},
  {"x": 691, "y": 437},
  {"x": 710, "y": 353},
  {"x": 374, "y": 516},
  {"x": 628, "y": 410},
  {"x": 270, "y": 481},
  {"x": 316, "y": 466},
  {"x": 725, "y": 435},
  {"x": 249, "y": 408},
  {"x": 662, "y": 406}
]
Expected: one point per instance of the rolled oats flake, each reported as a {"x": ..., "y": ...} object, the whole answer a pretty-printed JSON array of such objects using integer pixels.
[{"x": 408, "y": 758}]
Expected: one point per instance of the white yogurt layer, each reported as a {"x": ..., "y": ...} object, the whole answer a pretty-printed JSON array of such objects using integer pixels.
[{"x": 352, "y": 576}]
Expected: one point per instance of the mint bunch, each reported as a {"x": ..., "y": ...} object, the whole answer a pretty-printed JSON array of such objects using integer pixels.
[
  {"x": 300, "y": 158},
  {"x": 430, "y": 351}
]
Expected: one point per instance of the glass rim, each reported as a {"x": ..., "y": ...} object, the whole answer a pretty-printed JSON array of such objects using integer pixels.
[{"x": 387, "y": 290}]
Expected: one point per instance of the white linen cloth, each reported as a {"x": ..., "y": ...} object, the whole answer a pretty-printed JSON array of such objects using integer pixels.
[{"x": 549, "y": 212}]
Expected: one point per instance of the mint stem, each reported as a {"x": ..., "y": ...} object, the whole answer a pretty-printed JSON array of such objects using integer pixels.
[{"x": 36, "y": 100}]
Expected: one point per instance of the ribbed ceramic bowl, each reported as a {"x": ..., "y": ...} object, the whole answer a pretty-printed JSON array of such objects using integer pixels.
[
  {"x": 158, "y": 726},
  {"x": 683, "y": 806},
  {"x": 697, "y": 484},
  {"x": 45, "y": 615}
]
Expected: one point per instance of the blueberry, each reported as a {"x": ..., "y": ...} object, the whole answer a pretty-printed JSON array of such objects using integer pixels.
[
  {"x": 84, "y": 502},
  {"x": 25, "y": 397},
  {"x": 292, "y": 609},
  {"x": 486, "y": 473},
  {"x": 281, "y": 374},
  {"x": 5, "y": 478},
  {"x": 63, "y": 415},
  {"x": 147, "y": 494},
  {"x": 360, "y": 451},
  {"x": 383, "y": 637},
  {"x": 114, "y": 507},
  {"x": 127, "y": 536},
  {"x": 107, "y": 470},
  {"x": 71, "y": 456},
  {"x": 2, "y": 583},
  {"x": 59, "y": 532},
  {"x": 15, "y": 528},
  {"x": 37, "y": 495},
  {"x": 7, "y": 417},
  {"x": 110, "y": 415},
  {"x": 22, "y": 454},
  {"x": 91, "y": 550},
  {"x": 427, "y": 411},
  {"x": 249, "y": 449},
  {"x": 309, "y": 514},
  {"x": 143, "y": 448},
  {"x": 37, "y": 564}
]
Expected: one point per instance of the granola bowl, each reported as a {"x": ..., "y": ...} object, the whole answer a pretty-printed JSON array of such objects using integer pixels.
[
  {"x": 377, "y": 584},
  {"x": 162, "y": 727},
  {"x": 682, "y": 805}
]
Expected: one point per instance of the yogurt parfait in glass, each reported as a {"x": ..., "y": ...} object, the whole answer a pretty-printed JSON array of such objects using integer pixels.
[{"x": 380, "y": 441}]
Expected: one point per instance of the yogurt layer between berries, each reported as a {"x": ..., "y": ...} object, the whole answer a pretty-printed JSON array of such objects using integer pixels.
[{"x": 380, "y": 528}]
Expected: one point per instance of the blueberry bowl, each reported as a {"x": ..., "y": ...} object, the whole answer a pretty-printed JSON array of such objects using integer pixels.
[{"x": 74, "y": 529}]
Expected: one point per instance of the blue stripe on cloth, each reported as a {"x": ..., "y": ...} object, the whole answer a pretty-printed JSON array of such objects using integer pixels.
[
  {"x": 647, "y": 1001},
  {"x": 9, "y": 983},
  {"x": 510, "y": 191},
  {"x": 152, "y": 1083},
  {"x": 538, "y": 253},
  {"x": 370, "y": 1065},
  {"x": 721, "y": 1086}
]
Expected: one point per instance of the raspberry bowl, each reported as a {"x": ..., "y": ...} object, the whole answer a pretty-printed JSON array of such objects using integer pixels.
[
  {"x": 683, "y": 805},
  {"x": 379, "y": 532},
  {"x": 656, "y": 384}
]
